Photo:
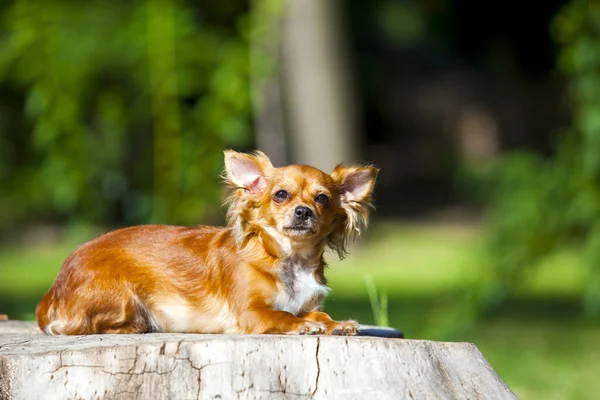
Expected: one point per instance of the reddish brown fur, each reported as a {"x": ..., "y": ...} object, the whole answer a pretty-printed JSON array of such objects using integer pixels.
[{"x": 215, "y": 280}]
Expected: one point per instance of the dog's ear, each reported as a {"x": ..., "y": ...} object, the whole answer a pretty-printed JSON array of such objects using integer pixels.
[
  {"x": 355, "y": 184},
  {"x": 247, "y": 171}
]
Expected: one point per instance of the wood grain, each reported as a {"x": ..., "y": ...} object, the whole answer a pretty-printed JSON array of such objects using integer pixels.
[{"x": 190, "y": 366}]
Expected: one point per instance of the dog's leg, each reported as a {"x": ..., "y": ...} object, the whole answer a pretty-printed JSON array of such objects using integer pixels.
[
  {"x": 89, "y": 312},
  {"x": 261, "y": 319},
  {"x": 345, "y": 328}
]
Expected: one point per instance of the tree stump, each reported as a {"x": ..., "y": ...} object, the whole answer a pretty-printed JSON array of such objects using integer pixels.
[{"x": 191, "y": 366}]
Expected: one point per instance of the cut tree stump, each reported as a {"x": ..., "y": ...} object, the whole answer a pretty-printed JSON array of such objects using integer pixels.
[{"x": 190, "y": 366}]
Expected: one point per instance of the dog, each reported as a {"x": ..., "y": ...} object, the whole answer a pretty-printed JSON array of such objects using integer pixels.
[{"x": 261, "y": 274}]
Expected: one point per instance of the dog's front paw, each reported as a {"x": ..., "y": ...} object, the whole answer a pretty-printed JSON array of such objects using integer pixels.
[
  {"x": 345, "y": 328},
  {"x": 308, "y": 328}
]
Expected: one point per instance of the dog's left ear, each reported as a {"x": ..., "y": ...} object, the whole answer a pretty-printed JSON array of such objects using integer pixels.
[
  {"x": 247, "y": 171},
  {"x": 355, "y": 183}
]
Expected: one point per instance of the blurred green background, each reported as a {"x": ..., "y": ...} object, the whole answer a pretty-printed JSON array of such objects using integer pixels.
[{"x": 484, "y": 118}]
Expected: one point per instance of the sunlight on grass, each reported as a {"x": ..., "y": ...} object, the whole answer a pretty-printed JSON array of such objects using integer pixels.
[
  {"x": 423, "y": 259},
  {"x": 31, "y": 269},
  {"x": 408, "y": 259},
  {"x": 563, "y": 273}
]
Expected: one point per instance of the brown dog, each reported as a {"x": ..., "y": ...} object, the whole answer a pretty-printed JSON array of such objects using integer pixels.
[{"x": 263, "y": 273}]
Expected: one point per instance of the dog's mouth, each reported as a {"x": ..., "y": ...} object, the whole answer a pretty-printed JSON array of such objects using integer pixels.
[{"x": 299, "y": 229}]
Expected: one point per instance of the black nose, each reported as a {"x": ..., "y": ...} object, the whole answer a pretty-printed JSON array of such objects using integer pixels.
[{"x": 303, "y": 213}]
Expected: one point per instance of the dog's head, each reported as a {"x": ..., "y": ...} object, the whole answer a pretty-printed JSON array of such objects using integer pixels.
[{"x": 298, "y": 206}]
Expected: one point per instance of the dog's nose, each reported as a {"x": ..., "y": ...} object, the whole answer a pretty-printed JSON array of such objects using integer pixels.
[{"x": 303, "y": 213}]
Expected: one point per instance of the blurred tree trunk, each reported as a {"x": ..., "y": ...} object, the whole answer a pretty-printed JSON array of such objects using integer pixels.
[
  {"x": 265, "y": 71},
  {"x": 304, "y": 105},
  {"x": 318, "y": 85}
]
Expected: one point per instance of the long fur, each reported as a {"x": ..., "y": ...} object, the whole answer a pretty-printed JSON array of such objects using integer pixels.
[
  {"x": 354, "y": 219},
  {"x": 238, "y": 201},
  {"x": 263, "y": 273}
]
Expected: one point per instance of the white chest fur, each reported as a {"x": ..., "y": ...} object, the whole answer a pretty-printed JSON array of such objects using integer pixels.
[{"x": 300, "y": 291}]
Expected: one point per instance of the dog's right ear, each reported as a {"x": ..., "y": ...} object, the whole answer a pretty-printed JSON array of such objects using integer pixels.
[
  {"x": 247, "y": 171},
  {"x": 356, "y": 185}
]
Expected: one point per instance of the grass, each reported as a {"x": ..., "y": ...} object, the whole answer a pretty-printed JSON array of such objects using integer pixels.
[
  {"x": 537, "y": 341},
  {"x": 379, "y": 303}
]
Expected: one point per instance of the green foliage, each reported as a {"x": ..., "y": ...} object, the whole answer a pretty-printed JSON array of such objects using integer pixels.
[
  {"x": 540, "y": 206},
  {"x": 119, "y": 110}
]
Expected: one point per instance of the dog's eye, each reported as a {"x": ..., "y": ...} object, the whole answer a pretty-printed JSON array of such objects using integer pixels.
[
  {"x": 281, "y": 195},
  {"x": 323, "y": 199}
]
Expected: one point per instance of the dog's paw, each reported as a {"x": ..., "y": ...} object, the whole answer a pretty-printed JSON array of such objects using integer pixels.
[
  {"x": 309, "y": 328},
  {"x": 345, "y": 328}
]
